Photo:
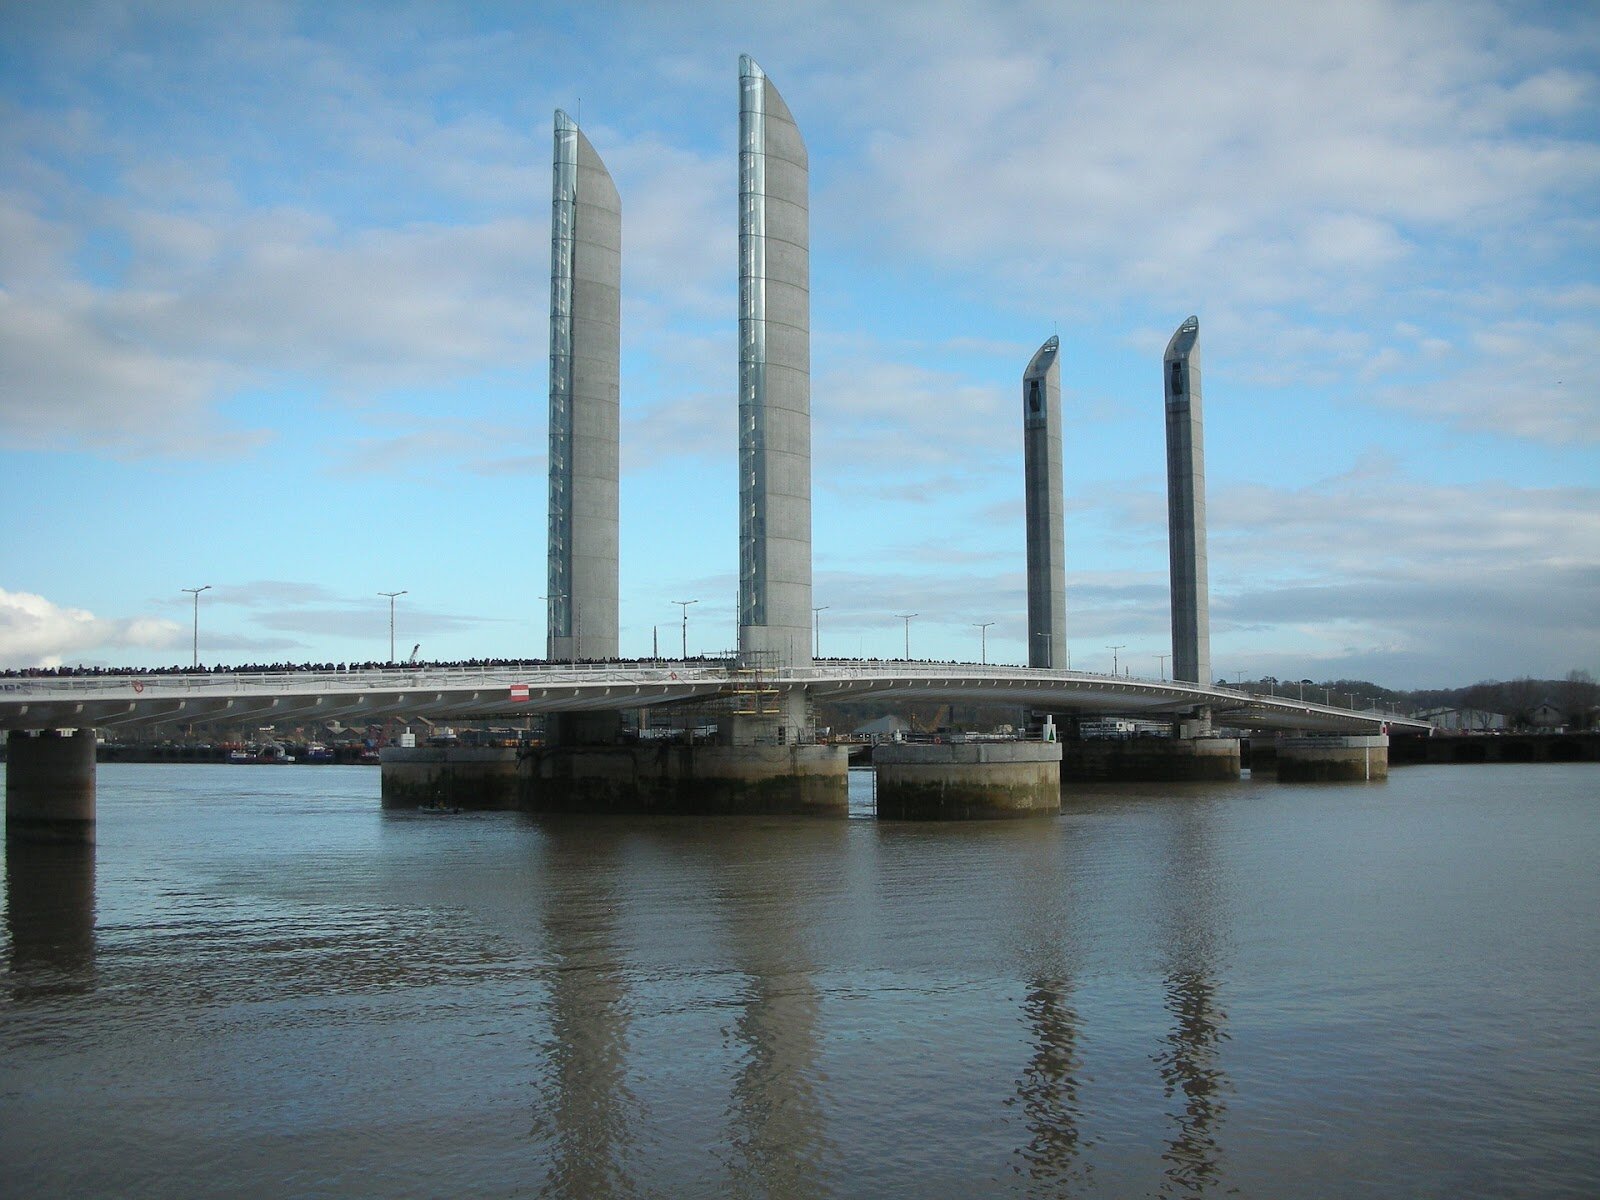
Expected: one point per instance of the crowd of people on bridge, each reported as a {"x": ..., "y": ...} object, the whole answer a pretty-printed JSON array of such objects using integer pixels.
[
  {"x": 277, "y": 668},
  {"x": 470, "y": 664}
]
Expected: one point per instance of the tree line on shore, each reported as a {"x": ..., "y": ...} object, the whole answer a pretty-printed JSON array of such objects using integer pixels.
[{"x": 1575, "y": 696}]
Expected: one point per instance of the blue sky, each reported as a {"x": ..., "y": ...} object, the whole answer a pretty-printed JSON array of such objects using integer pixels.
[{"x": 273, "y": 318}]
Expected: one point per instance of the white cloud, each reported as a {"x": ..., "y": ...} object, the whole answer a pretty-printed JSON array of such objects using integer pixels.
[
  {"x": 1522, "y": 378},
  {"x": 680, "y": 243},
  {"x": 1453, "y": 582},
  {"x": 36, "y": 632},
  {"x": 64, "y": 376},
  {"x": 1248, "y": 160},
  {"x": 220, "y": 310},
  {"x": 1556, "y": 92},
  {"x": 283, "y": 292},
  {"x": 434, "y": 451},
  {"x": 905, "y": 418}
]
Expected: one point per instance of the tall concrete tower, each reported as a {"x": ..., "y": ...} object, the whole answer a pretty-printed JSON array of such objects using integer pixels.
[
  {"x": 774, "y": 379},
  {"x": 585, "y": 351},
  {"x": 1046, "y": 508},
  {"x": 1186, "y": 507}
]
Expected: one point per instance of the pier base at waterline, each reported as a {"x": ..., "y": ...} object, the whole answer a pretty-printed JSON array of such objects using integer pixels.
[
  {"x": 1150, "y": 759},
  {"x": 1333, "y": 759},
  {"x": 450, "y": 776},
  {"x": 50, "y": 786},
  {"x": 674, "y": 777},
  {"x": 967, "y": 781}
]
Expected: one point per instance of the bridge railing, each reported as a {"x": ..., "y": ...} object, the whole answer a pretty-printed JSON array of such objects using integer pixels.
[
  {"x": 61, "y": 687},
  {"x": 454, "y": 677},
  {"x": 655, "y": 672}
]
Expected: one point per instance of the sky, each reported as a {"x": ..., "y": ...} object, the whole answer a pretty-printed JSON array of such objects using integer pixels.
[{"x": 274, "y": 321}]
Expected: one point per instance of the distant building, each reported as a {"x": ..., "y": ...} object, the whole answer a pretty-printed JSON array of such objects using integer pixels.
[
  {"x": 1123, "y": 727},
  {"x": 1463, "y": 720},
  {"x": 883, "y": 729},
  {"x": 1547, "y": 716}
]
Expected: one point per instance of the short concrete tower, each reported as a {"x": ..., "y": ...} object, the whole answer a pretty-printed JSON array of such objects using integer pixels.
[
  {"x": 774, "y": 380},
  {"x": 585, "y": 352},
  {"x": 1042, "y": 487},
  {"x": 1186, "y": 507}
]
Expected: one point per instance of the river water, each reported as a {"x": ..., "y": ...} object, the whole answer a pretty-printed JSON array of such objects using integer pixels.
[{"x": 260, "y": 984}]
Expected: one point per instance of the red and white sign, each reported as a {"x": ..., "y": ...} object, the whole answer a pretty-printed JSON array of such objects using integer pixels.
[{"x": 519, "y": 691}]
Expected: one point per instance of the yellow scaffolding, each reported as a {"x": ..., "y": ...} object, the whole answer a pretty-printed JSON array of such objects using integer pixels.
[{"x": 751, "y": 697}]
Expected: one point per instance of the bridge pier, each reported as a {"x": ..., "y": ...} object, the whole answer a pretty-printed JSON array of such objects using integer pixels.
[
  {"x": 762, "y": 761},
  {"x": 484, "y": 777},
  {"x": 50, "y": 914},
  {"x": 1330, "y": 759},
  {"x": 674, "y": 777},
  {"x": 50, "y": 785},
  {"x": 583, "y": 729},
  {"x": 968, "y": 780},
  {"x": 1151, "y": 759}
]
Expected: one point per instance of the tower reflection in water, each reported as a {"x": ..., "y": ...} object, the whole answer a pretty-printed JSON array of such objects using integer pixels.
[
  {"x": 50, "y": 918},
  {"x": 1189, "y": 1060},
  {"x": 584, "y": 1110},
  {"x": 776, "y": 1121},
  {"x": 587, "y": 1116},
  {"x": 1047, "y": 1092},
  {"x": 1048, "y": 1089}
]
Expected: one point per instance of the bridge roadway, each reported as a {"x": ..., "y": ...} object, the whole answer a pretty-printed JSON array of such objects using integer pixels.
[{"x": 131, "y": 702}]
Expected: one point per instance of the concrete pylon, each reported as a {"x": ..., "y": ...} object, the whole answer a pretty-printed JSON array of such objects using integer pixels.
[
  {"x": 774, "y": 380},
  {"x": 1186, "y": 507},
  {"x": 50, "y": 786},
  {"x": 585, "y": 354},
  {"x": 1046, "y": 508}
]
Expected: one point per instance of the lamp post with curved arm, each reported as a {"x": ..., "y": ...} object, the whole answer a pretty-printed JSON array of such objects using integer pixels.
[
  {"x": 685, "y": 604},
  {"x": 816, "y": 616},
  {"x": 392, "y": 596},
  {"x": 195, "y": 592},
  {"x": 983, "y": 641},
  {"x": 906, "y": 617}
]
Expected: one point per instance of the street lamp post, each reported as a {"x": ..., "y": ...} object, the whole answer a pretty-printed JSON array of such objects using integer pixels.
[
  {"x": 685, "y": 604},
  {"x": 983, "y": 641},
  {"x": 391, "y": 596},
  {"x": 906, "y": 617},
  {"x": 816, "y": 616},
  {"x": 195, "y": 592},
  {"x": 1114, "y": 650},
  {"x": 1163, "y": 658}
]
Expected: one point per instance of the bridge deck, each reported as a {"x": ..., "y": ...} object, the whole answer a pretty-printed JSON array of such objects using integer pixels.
[{"x": 128, "y": 702}]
